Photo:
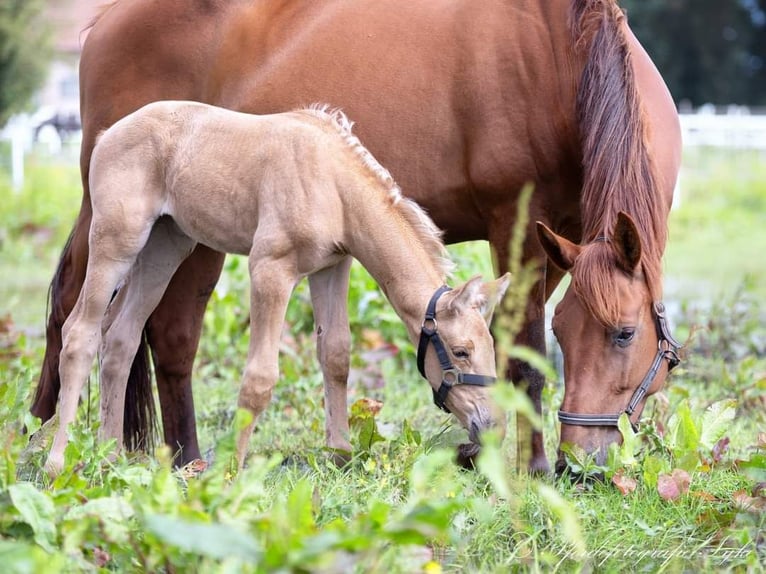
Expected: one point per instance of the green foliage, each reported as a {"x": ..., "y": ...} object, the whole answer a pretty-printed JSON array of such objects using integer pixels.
[
  {"x": 681, "y": 494},
  {"x": 25, "y": 50}
]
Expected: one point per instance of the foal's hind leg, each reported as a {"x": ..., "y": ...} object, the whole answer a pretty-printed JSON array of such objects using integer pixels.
[
  {"x": 272, "y": 282},
  {"x": 166, "y": 248},
  {"x": 329, "y": 296},
  {"x": 109, "y": 261}
]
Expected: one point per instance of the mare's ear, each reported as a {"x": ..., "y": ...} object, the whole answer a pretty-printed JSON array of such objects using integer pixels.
[
  {"x": 558, "y": 249},
  {"x": 627, "y": 243},
  {"x": 479, "y": 295}
]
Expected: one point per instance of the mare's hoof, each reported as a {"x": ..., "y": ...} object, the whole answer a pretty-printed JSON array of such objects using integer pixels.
[{"x": 467, "y": 454}]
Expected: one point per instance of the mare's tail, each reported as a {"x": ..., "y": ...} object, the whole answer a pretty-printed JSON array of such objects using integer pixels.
[{"x": 140, "y": 426}]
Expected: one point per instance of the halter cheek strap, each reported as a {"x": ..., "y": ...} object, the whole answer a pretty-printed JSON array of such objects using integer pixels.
[{"x": 451, "y": 375}]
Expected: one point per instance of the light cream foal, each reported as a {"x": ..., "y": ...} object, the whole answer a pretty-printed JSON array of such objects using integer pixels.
[{"x": 299, "y": 194}]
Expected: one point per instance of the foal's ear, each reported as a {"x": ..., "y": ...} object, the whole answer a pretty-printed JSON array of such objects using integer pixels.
[
  {"x": 558, "y": 249},
  {"x": 479, "y": 295},
  {"x": 627, "y": 242},
  {"x": 492, "y": 293}
]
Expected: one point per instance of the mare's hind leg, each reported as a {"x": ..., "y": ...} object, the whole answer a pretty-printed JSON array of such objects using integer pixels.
[
  {"x": 109, "y": 261},
  {"x": 173, "y": 332},
  {"x": 329, "y": 297},
  {"x": 272, "y": 282},
  {"x": 166, "y": 248}
]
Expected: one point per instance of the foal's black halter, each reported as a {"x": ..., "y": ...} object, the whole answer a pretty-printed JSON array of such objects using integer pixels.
[
  {"x": 667, "y": 349},
  {"x": 451, "y": 375}
]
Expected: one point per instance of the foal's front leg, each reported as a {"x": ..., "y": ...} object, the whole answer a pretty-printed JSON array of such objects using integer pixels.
[
  {"x": 329, "y": 297},
  {"x": 272, "y": 282}
]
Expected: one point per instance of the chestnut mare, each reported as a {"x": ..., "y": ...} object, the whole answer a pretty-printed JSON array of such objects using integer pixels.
[
  {"x": 299, "y": 194},
  {"x": 464, "y": 102}
]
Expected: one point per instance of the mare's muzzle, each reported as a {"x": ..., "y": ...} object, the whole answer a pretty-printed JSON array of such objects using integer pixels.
[{"x": 451, "y": 375}]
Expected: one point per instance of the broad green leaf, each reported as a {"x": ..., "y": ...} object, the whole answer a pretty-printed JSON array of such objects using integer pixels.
[
  {"x": 300, "y": 508},
  {"x": 566, "y": 514},
  {"x": 754, "y": 467},
  {"x": 37, "y": 510},
  {"x": 217, "y": 541},
  {"x": 113, "y": 513},
  {"x": 715, "y": 422},
  {"x": 683, "y": 435},
  {"x": 21, "y": 558},
  {"x": 491, "y": 463}
]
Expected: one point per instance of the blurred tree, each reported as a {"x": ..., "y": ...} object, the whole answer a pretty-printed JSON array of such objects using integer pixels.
[
  {"x": 25, "y": 51},
  {"x": 707, "y": 50}
]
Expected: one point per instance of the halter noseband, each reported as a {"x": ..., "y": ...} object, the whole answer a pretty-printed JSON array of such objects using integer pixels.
[
  {"x": 451, "y": 375},
  {"x": 667, "y": 349}
]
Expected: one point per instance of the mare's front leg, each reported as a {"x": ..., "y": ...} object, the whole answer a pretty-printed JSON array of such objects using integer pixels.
[
  {"x": 166, "y": 248},
  {"x": 529, "y": 442},
  {"x": 272, "y": 281},
  {"x": 173, "y": 333},
  {"x": 329, "y": 297}
]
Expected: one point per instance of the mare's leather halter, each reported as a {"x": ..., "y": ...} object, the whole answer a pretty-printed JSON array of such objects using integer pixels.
[
  {"x": 667, "y": 349},
  {"x": 451, "y": 375}
]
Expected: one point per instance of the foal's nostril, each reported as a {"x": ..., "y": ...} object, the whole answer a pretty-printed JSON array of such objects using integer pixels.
[{"x": 474, "y": 433}]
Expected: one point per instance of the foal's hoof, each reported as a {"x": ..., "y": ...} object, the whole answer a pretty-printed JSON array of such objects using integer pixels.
[
  {"x": 54, "y": 466},
  {"x": 467, "y": 454},
  {"x": 340, "y": 458}
]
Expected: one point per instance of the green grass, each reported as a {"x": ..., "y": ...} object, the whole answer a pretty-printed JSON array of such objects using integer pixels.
[
  {"x": 718, "y": 230},
  {"x": 401, "y": 505}
]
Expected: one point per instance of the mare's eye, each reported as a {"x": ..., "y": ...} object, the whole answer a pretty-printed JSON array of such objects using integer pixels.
[
  {"x": 624, "y": 337},
  {"x": 460, "y": 353}
]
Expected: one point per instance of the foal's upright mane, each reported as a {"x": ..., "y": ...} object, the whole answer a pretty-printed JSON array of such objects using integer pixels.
[
  {"x": 618, "y": 174},
  {"x": 414, "y": 216}
]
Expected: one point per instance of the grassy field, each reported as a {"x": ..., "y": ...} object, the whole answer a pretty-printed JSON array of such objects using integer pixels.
[{"x": 685, "y": 494}]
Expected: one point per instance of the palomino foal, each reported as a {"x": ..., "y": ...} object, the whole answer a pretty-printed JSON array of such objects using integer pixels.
[{"x": 300, "y": 195}]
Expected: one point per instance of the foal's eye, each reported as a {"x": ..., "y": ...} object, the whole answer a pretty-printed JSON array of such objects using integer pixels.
[
  {"x": 460, "y": 353},
  {"x": 624, "y": 337}
]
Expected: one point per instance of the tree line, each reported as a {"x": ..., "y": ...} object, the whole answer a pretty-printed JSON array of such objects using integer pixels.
[{"x": 708, "y": 51}]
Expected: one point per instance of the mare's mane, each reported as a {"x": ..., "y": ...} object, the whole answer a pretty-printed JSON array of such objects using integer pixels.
[
  {"x": 618, "y": 174},
  {"x": 414, "y": 216}
]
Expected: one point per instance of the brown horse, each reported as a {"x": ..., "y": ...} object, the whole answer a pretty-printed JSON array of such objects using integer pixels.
[{"x": 464, "y": 102}]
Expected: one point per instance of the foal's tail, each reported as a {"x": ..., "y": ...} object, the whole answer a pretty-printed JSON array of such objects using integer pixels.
[{"x": 140, "y": 426}]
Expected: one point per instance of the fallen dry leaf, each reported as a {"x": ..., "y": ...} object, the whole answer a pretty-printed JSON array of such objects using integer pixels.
[
  {"x": 667, "y": 487},
  {"x": 625, "y": 484},
  {"x": 673, "y": 485},
  {"x": 749, "y": 503}
]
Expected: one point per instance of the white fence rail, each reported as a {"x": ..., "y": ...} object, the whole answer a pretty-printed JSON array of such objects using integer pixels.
[{"x": 737, "y": 130}]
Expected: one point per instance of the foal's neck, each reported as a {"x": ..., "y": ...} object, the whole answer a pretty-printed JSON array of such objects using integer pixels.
[{"x": 394, "y": 254}]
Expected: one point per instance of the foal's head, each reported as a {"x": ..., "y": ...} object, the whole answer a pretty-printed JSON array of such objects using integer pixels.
[
  {"x": 457, "y": 355},
  {"x": 612, "y": 332}
]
